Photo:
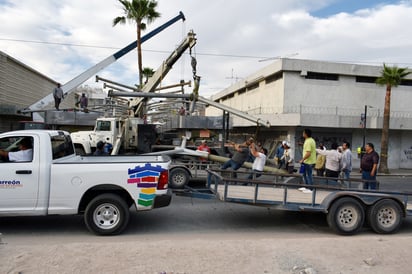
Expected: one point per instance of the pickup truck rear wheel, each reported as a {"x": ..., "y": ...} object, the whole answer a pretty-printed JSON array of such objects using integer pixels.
[
  {"x": 178, "y": 177},
  {"x": 346, "y": 216},
  {"x": 107, "y": 214},
  {"x": 385, "y": 216}
]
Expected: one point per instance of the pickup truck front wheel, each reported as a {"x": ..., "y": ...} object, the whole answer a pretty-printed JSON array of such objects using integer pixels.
[{"x": 107, "y": 214}]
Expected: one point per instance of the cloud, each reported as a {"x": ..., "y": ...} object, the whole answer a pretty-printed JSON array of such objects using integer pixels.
[{"x": 232, "y": 37}]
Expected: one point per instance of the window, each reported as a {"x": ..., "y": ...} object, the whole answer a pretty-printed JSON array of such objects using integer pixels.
[
  {"x": 366, "y": 79},
  {"x": 227, "y": 97},
  {"x": 406, "y": 82},
  {"x": 103, "y": 125},
  {"x": 274, "y": 77},
  {"x": 253, "y": 86},
  {"x": 62, "y": 146},
  {"x": 322, "y": 76},
  {"x": 241, "y": 91},
  {"x": 372, "y": 80},
  {"x": 16, "y": 149}
]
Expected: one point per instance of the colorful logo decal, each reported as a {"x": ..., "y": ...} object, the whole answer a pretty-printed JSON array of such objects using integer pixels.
[{"x": 146, "y": 178}]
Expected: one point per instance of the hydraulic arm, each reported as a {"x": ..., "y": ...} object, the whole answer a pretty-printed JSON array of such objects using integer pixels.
[{"x": 81, "y": 78}]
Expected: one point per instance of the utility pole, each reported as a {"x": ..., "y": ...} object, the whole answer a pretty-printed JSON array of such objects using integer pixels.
[{"x": 364, "y": 129}]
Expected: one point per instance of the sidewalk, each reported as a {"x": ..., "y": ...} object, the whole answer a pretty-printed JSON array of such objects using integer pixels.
[{"x": 392, "y": 172}]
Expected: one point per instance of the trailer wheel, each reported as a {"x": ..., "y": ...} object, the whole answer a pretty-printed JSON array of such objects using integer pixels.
[
  {"x": 107, "y": 214},
  {"x": 346, "y": 216},
  {"x": 385, "y": 216},
  {"x": 178, "y": 177}
]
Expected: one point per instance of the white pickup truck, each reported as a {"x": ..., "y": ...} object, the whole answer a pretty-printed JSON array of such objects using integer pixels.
[{"x": 56, "y": 181}]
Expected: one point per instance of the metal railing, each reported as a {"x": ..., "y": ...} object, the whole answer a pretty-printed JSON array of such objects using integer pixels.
[
  {"x": 287, "y": 182},
  {"x": 340, "y": 111}
]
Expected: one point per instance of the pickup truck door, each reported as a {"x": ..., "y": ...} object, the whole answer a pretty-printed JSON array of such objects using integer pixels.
[{"x": 19, "y": 184}]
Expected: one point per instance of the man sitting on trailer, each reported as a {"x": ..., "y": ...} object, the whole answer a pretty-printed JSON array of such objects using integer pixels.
[{"x": 239, "y": 157}]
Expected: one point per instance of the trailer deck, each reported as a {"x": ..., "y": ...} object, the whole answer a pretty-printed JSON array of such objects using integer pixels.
[{"x": 346, "y": 204}]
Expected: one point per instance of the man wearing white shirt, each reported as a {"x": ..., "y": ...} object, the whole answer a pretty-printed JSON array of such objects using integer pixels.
[
  {"x": 259, "y": 162},
  {"x": 333, "y": 160},
  {"x": 24, "y": 154}
]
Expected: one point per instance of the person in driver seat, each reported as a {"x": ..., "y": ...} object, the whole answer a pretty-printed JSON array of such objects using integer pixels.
[{"x": 24, "y": 154}]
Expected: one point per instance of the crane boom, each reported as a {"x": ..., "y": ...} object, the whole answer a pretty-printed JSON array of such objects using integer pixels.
[
  {"x": 165, "y": 67},
  {"x": 81, "y": 78}
]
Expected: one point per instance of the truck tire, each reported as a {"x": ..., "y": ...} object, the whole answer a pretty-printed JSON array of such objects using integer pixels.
[
  {"x": 385, "y": 216},
  {"x": 178, "y": 178},
  {"x": 107, "y": 214},
  {"x": 346, "y": 216}
]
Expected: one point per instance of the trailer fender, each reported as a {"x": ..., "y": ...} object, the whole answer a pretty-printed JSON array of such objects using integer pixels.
[{"x": 365, "y": 198}]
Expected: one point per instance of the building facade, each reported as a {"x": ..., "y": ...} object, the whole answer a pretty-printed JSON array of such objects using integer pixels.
[
  {"x": 20, "y": 87},
  {"x": 330, "y": 98}
]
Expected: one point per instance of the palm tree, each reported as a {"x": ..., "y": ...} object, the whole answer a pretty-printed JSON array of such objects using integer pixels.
[
  {"x": 137, "y": 11},
  {"x": 147, "y": 73},
  {"x": 390, "y": 77}
]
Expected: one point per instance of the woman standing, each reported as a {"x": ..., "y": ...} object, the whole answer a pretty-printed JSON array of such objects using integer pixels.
[{"x": 287, "y": 158}]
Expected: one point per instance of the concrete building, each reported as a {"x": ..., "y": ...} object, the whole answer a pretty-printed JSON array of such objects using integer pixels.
[
  {"x": 330, "y": 98},
  {"x": 21, "y": 86}
]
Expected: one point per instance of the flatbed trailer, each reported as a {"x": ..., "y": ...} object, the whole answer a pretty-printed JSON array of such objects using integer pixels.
[{"x": 347, "y": 206}]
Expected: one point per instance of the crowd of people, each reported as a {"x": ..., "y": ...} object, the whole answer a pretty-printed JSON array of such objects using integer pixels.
[{"x": 335, "y": 162}]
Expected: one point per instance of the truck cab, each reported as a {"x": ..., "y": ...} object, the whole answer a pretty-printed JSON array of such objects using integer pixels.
[
  {"x": 109, "y": 130},
  {"x": 28, "y": 197}
]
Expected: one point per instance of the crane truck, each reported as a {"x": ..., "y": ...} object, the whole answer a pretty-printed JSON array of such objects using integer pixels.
[
  {"x": 41, "y": 105},
  {"x": 124, "y": 132}
]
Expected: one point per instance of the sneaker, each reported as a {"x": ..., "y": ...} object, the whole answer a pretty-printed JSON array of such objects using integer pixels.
[
  {"x": 307, "y": 191},
  {"x": 302, "y": 188}
]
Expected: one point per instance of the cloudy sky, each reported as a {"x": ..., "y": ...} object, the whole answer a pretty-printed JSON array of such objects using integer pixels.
[{"x": 61, "y": 39}]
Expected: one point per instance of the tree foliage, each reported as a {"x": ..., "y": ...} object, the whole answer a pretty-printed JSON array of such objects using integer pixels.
[
  {"x": 141, "y": 13},
  {"x": 390, "y": 77},
  {"x": 147, "y": 73}
]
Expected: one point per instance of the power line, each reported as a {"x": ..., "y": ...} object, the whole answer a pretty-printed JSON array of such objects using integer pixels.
[
  {"x": 260, "y": 58},
  {"x": 116, "y": 48}
]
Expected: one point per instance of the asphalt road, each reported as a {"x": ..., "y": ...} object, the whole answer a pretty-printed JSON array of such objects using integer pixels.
[
  {"x": 187, "y": 217},
  {"x": 203, "y": 236}
]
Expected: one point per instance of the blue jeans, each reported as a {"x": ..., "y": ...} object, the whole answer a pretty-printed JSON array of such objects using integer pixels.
[
  {"x": 366, "y": 175},
  {"x": 255, "y": 172},
  {"x": 232, "y": 164},
  {"x": 308, "y": 174},
  {"x": 346, "y": 176}
]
